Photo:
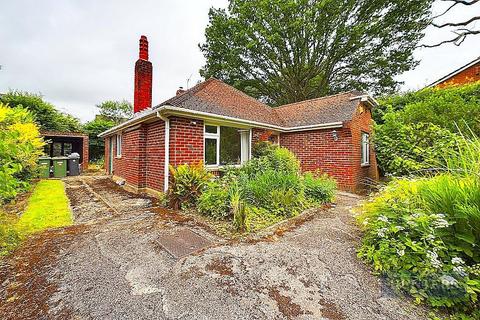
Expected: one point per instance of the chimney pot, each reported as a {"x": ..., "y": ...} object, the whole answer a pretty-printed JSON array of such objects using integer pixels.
[
  {"x": 143, "y": 52},
  {"x": 180, "y": 91}
]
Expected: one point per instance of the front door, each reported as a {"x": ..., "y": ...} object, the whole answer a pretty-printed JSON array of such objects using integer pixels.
[{"x": 110, "y": 156}]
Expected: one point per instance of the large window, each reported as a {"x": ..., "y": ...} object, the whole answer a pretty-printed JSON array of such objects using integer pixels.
[
  {"x": 119, "y": 145},
  {"x": 365, "y": 148},
  {"x": 226, "y": 145}
]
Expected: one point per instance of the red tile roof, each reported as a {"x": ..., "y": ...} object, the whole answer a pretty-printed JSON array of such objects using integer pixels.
[{"x": 216, "y": 97}]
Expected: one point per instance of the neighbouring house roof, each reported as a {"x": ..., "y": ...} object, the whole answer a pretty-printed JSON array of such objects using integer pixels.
[
  {"x": 455, "y": 72},
  {"x": 63, "y": 134},
  {"x": 218, "y": 99}
]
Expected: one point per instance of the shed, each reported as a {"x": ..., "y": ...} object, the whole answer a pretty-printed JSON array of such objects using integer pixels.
[{"x": 65, "y": 143}]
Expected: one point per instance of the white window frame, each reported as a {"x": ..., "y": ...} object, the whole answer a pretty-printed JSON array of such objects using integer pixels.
[
  {"x": 118, "y": 145},
  {"x": 213, "y": 136},
  {"x": 365, "y": 148},
  {"x": 216, "y": 136}
]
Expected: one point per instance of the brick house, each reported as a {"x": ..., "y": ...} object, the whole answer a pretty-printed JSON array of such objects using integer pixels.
[
  {"x": 466, "y": 74},
  {"x": 218, "y": 124}
]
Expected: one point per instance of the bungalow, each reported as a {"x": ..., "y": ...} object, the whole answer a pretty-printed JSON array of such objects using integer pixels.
[
  {"x": 218, "y": 124},
  {"x": 467, "y": 73}
]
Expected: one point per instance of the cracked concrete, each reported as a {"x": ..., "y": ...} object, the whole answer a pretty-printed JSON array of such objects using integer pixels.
[{"x": 115, "y": 268}]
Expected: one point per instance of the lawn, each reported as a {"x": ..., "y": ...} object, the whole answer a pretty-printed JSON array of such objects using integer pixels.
[{"x": 47, "y": 208}]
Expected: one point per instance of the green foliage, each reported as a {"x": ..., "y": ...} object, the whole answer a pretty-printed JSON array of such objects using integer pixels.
[
  {"x": 423, "y": 233},
  {"x": 115, "y": 111},
  {"x": 264, "y": 190},
  {"x": 44, "y": 113},
  {"x": 215, "y": 200},
  {"x": 187, "y": 183},
  {"x": 455, "y": 108},
  {"x": 20, "y": 147},
  {"x": 418, "y": 130},
  {"x": 288, "y": 51},
  {"x": 9, "y": 236},
  {"x": 408, "y": 148},
  {"x": 96, "y": 144},
  {"x": 320, "y": 188}
]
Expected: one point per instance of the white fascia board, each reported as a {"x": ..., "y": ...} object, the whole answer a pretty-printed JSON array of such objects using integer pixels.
[
  {"x": 368, "y": 99},
  {"x": 136, "y": 120}
]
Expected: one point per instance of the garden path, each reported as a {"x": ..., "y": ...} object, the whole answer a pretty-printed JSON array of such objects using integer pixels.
[{"x": 119, "y": 262}]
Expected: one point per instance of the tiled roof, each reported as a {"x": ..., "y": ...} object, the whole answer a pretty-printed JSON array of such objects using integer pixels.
[
  {"x": 336, "y": 108},
  {"x": 216, "y": 97}
]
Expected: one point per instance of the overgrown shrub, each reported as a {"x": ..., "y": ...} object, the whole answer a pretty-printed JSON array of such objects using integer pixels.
[
  {"x": 411, "y": 148},
  {"x": 20, "y": 147},
  {"x": 320, "y": 188},
  {"x": 187, "y": 183},
  {"x": 423, "y": 233},
  {"x": 215, "y": 201}
]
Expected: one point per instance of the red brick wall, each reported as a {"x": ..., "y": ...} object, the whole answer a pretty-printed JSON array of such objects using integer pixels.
[
  {"x": 317, "y": 150},
  {"x": 155, "y": 155},
  {"x": 469, "y": 75},
  {"x": 186, "y": 140},
  {"x": 362, "y": 122},
  {"x": 132, "y": 164},
  {"x": 341, "y": 159}
]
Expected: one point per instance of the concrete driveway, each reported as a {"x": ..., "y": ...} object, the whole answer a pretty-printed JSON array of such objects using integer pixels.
[{"x": 127, "y": 259}]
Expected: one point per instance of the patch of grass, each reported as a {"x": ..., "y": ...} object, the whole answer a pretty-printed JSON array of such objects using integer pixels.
[{"x": 47, "y": 208}]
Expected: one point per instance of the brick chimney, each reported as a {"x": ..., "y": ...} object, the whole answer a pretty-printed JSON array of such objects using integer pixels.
[{"x": 143, "y": 79}]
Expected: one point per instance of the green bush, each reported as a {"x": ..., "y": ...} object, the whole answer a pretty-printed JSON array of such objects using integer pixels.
[
  {"x": 187, "y": 183},
  {"x": 215, "y": 201},
  {"x": 404, "y": 149},
  {"x": 423, "y": 233},
  {"x": 20, "y": 147},
  {"x": 320, "y": 189}
]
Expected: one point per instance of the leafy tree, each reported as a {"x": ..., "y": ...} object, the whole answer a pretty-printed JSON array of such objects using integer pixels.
[
  {"x": 47, "y": 117},
  {"x": 284, "y": 51},
  {"x": 96, "y": 144},
  {"x": 116, "y": 111}
]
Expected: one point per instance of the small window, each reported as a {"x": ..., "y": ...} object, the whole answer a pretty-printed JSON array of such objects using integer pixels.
[
  {"x": 365, "y": 148},
  {"x": 211, "y": 129},
  {"x": 119, "y": 145}
]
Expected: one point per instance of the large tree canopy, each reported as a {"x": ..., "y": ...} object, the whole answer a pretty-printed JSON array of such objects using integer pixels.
[{"x": 284, "y": 51}]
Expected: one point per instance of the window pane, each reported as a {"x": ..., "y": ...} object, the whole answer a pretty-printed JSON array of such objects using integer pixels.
[
  {"x": 229, "y": 146},
  {"x": 57, "y": 149},
  {"x": 67, "y": 149},
  {"x": 210, "y": 151},
  {"x": 211, "y": 129}
]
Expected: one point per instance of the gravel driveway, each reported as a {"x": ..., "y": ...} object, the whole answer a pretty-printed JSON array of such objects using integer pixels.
[{"x": 128, "y": 259}]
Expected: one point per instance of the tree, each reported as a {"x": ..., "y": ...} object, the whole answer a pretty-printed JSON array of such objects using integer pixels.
[
  {"x": 461, "y": 29},
  {"x": 116, "y": 111},
  {"x": 46, "y": 116},
  {"x": 96, "y": 144},
  {"x": 283, "y": 51}
]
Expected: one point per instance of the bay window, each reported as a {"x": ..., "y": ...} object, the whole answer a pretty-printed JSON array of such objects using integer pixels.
[{"x": 226, "y": 145}]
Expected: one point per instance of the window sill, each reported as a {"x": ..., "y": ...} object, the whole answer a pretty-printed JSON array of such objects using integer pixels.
[
  {"x": 118, "y": 157},
  {"x": 364, "y": 165},
  {"x": 215, "y": 168}
]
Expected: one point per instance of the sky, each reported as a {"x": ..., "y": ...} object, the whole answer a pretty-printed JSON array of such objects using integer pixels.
[{"x": 80, "y": 53}]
